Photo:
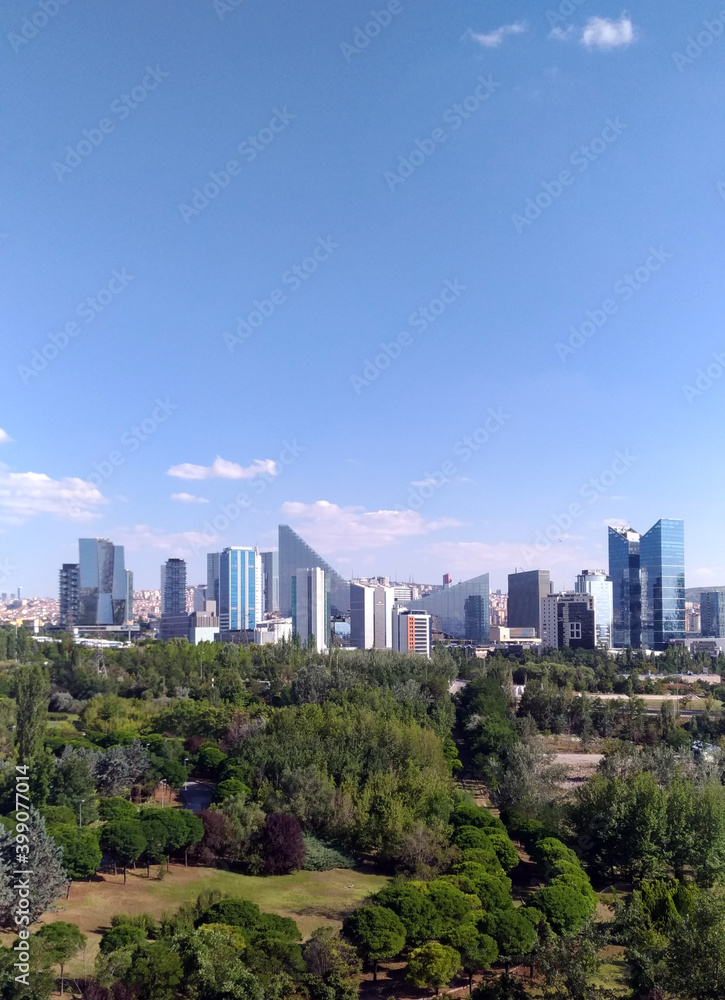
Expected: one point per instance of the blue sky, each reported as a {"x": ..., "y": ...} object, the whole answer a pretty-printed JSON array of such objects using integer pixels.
[{"x": 406, "y": 280}]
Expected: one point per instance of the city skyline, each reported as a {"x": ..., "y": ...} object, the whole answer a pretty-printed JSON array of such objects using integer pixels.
[{"x": 468, "y": 236}]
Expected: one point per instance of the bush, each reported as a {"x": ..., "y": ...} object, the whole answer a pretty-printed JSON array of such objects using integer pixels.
[
  {"x": 322, "y": 857},
  {"x": 145, "y": 921},
  {"x": 116, "y": 808},
  {"x": 228, "y": 789},
  {"x": 59, "y": 814},
  {"x": 122, "y": 936}
]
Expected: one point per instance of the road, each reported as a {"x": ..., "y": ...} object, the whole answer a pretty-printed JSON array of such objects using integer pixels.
[{"x": 197, "y": 795}]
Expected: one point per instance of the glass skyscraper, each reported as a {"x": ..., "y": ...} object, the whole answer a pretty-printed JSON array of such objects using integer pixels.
[
  {"x": 173, "y": 587},
  {"x": 102, "y": 589},
  {"x": 526, "y": 592},
  {"x": 295, "y": 552},
  {"x": 270, "y": 581},
  {"x": 662, "y": 568},
  {"x": 461, "y": 610},
  {"x": 240, "y": 588},
  {"x": 597, "y": 583},
  {"x": 648, "y": 578},
  {"x": 712, "y": 614}
]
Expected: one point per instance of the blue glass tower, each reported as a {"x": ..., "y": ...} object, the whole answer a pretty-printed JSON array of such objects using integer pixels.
[
  {"x": 240, "y": 588},
  {"x": 662, "y": 566},
  {"x": 624, "y": 571},
  {"x": 712, "y": 612}
]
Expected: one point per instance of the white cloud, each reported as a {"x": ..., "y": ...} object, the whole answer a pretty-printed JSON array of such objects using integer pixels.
[
  {"x": 599, "y": 33},
  {"x": 494, "y": 38},
  {"x": 24, "y": 495},
  {"x": 222, "y": 469},
  {"x": 4, "y": 436},
  {"x": 141, "y": 537},
  {"x": 330, "y": 528},
  {"x": 562, "y": 34},
  {"x": 188, "y": 498}
]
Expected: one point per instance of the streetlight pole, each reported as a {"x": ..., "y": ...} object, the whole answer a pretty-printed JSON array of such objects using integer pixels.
[{"x": 80, "y": 812}]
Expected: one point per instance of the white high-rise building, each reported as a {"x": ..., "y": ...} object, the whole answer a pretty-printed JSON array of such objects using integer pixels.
[
  {"x": 411, "y": 631},
  {"x": 599, "y": 585},
  {"x": 371, "y": 616},
  {"x": 310, "y": 606},
  {"x": 568, "y": 619}
]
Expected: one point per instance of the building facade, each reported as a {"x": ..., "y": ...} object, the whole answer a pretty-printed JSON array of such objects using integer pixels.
[
  {"x": 173, "y": 587},
  {"x": 412, "y": 631},
  {"x": 624, "y": 572},
  {"x": 662, "y": 567},
  {"x": 371, "y": 616},
  {"x": 311, "y": 607},
  {"x": 213, "y": 560},
  {"x": 597, "y": 583},
  {"x": 712, "y": 614},
  {"x": 526, "y": 592},
  {"x": 461, "y": 610},
  {"x": 569, "y": 619},
  {"x": 270, "y": 582},
  {"x": 240, "y": 588},
  {"x": 295, "y": 552},
  {"x": 69, "y": 584},
  {"x": 102, "y": 582}
]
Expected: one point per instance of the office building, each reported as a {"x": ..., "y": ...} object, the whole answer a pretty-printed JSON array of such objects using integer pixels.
[
  {"x": 270, "y": 582},
  {"x": 648, "y": 579},
  {"x": 274, "y": 630},
  {"x": 69, "y": 595},
  {"x": 460, "y": 611},
  {"x": 712, "y": 614},
  {"x": 198, "y": 598},
  {"x": 203, "y": 625},
  {"x": 526, "y": 592},
  {"x": 412, "y": 631},
  {"x": 173, "y": 587},
  {"x": 624, "y": 572},
  {"x": 129, "y": 595},
  {"x": 662, "y": 566},
  {"x": 371, "y": 616},
  {"x": 102, "y": 583},
  {"x": 295, "y": 552},
  {"x": 212, "y": 576},
  {"x": 240, "y": 588},
  {"x": 597, "y": 583},
  {"x": 311, "y": 607},
  {"x": 568, "y": 619}
]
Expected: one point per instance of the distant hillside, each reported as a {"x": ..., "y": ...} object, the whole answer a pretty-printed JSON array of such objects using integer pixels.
[{"x": 693, "y": 593}]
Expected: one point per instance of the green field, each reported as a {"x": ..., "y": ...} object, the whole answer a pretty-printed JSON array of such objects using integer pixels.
[{"x": 312, "y": 899}]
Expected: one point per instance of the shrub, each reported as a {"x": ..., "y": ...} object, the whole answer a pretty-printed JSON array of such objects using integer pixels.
[{"x": 322, "y": 857}]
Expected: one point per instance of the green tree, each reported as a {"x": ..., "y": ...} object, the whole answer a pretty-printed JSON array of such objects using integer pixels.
[
  {"x": 569, "y": 965},
  {"x": 567, "y": 907},
  {"x": 415, "y": 909},
  {"x": 376, "y": 932},
  {"x": 117, "y": 808},
  {"x": 44, "y": 858},
  {"x": 194, "y": 831},
  {"x": 156, "y": 971},
  {"x": 81, "y": 852},
  {"x": 32, "y": 691},
  {"x": 478, "y": 951},
  {"x": 122, "y": 936},
  {"x": 73, "y": 786},
  {"x": 156, "y": 836},
  {"x": 125, "y": 842},
  {"x": 695, "y": 959},
  {"x": 513, "y": 931},
  {"x": 433, "y": 965},
  {"x": 63, "y": 941}
]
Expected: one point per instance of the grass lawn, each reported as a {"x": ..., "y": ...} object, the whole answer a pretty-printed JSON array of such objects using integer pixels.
[{"x": 310, "y": 898}]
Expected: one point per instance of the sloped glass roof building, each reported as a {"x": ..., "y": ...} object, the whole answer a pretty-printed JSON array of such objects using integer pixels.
[
  {"x": 295, "y": 554},
  {"x": 461, "y": 611}
]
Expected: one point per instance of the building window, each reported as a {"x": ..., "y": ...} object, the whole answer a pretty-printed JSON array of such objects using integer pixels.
[{"x": 575, "y": 630}]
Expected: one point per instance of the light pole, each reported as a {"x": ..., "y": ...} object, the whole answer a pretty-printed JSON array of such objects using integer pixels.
[{"x": 80, "y": 812}]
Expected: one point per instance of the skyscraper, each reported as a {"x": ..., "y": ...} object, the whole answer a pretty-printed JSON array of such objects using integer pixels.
[
  {"x": 270, "y": 581},
  {"x": 240, "y": 588},
  {"x": 212, "y": 576},
  {"x": 648, "y": 578},
  {"x": 662, "y": 566},
  {"x": 295, "y": 552},
  {"x": 460, "y": 611},
  {"x": 624, "y": 572},
  {"x": 712, "y": 614},
  {"x": 102, "y": 582},
  {"x": 526, "y": 592},
  {"x": 597, "y": 583},
  {"x": 129, "y": 595},
  {"x": 311, "y": 606},
  {"x": 173, "y": 587},
  {"x": 69, "y": 600},
  {"x": 371, "y": 616}
]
